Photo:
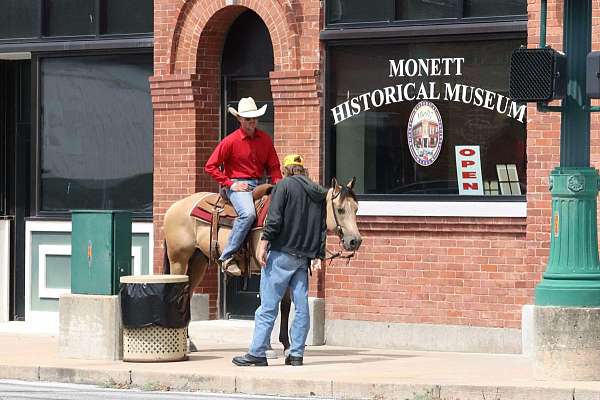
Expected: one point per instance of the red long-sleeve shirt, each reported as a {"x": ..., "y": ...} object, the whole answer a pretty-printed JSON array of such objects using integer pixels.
[{"x": 243, "y": 156}]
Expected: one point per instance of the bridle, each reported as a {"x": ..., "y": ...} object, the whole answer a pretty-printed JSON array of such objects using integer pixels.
[{"x": 339, "y": 231}]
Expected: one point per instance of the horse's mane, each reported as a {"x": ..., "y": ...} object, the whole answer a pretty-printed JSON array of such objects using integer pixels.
[{"x": 347, "y": 192}]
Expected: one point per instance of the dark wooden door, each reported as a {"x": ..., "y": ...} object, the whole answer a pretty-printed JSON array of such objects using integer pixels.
[
  {"x": 15, "y": 156},
  {"x": 246, "y": 64}
]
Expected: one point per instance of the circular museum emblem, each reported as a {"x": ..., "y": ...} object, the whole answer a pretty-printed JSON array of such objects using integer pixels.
[{"x": 425, "y": 133}]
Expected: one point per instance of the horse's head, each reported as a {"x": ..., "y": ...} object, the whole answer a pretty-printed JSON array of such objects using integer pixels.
[{"x": 342, "y": 206}]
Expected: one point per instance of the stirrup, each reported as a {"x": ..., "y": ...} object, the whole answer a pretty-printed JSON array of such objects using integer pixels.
[{"x": 231, "y": 267}]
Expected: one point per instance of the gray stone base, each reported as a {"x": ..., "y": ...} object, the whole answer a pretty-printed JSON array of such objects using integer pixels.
[
  {"x": 199, "y": 307},
  {"x": 424, "y": 337},
  {"x": 528, "y": 329},
  {"x": 90, "y": 327},
  {"x": 567, "y": 343},
  {"x": 316, "y": 334}
]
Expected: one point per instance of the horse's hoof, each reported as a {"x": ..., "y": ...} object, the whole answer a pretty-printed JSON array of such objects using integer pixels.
[{"x": 271, "y": 354}]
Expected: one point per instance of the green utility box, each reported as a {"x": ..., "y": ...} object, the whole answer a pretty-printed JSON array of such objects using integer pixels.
[{"x": 100, "y": 251}]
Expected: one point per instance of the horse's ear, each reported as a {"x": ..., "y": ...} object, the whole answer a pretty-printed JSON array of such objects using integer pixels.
[
  {"x": 336, "y": 188},
  {"x": 350, "y": 184}
]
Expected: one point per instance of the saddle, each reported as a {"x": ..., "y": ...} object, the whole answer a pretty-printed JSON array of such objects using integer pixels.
[{"x": 217, "y": 211}]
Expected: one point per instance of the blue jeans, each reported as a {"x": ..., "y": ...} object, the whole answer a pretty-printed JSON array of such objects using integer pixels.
[
  {"x": 283, "y": 270},
  {"x": 244, "y": 206}
]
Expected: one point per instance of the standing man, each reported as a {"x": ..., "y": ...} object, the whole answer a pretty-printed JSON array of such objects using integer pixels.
[
  {"x": 295, "y": 230},
  {"x": 237, "y": 164}
]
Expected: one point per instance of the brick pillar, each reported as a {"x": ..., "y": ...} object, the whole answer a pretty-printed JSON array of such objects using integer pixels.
[
  {"x": 186, "y": 130},
  {"x": 296, "y": 98}
]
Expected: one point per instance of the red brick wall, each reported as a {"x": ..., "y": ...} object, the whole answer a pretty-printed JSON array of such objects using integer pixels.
[
  {"x": 189, "y": 38},
  {"x": 464, "y": 271}
]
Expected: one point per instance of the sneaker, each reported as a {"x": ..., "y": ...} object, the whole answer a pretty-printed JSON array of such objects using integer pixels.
[
  {"x": 230, "y": 267},
  {"x": 294, "y": 360}
]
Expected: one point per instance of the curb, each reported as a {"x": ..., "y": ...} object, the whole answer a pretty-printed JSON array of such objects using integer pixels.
[{"x": 292, "y": 388}]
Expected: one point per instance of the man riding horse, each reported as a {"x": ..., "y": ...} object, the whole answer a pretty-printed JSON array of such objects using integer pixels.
[{"x": 238, "y": 164}]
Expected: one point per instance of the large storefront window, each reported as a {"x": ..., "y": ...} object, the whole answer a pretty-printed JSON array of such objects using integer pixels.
[
  {"x": 426, "y": 118},
  {"x": 96, "y": 133}
]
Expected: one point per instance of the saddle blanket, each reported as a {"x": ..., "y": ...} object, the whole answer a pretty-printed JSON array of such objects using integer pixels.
[{"x": 261, "y": 206}]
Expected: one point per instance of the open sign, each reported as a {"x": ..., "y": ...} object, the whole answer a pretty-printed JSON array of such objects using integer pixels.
[{"x": 468, "y": 170}]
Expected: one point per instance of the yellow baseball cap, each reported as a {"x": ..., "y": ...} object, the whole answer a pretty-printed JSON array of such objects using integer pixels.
[{"x": 293, "y": 159}]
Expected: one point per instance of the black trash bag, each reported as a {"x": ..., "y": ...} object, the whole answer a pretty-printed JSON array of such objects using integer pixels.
[{"x": 162, "y": 304}]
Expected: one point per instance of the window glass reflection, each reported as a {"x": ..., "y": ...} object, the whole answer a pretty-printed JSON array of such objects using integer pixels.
[
  {"x": 96, "y": 133},
  {"x": 490, "y": 8},
  {"x": 70, "y": 17},
  {"x": 359, "y": 11},
  {"x": 19, "y": 18},
  {"x": 131, "y": 16},
  {"x": 426, "y": 9},
  {"x": 373, "y": 145}
]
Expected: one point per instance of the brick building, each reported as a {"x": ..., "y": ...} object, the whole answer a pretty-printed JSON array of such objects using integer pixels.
[
  {"x": 437, "y": 269},
  {"x": 446, "y": 263}
]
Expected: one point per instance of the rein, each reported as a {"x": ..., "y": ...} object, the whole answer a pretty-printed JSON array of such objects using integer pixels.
[{"x": 339, "y": 254}]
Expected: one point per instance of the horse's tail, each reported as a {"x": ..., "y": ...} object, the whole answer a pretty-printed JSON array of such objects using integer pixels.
[{"x": 166, "y": 263}]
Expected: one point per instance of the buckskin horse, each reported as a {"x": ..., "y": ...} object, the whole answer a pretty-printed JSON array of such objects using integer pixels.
[{"x": 187, "y": 239}]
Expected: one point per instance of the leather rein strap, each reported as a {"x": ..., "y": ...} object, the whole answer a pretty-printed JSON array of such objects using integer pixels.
[{"x": 213, "y": 251}]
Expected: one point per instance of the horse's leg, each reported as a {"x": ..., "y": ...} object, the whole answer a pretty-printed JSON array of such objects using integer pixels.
[
  {"x": 284, "y": 338},
  {"x": 196, "y": 269},
  {"x": 178, "y": 261}
]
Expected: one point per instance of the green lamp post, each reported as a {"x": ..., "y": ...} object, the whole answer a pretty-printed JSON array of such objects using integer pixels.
[{"x": 572, "y": 277}]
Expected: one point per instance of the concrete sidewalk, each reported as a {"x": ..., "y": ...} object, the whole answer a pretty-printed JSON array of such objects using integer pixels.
[{"x": 332, "y": 372}]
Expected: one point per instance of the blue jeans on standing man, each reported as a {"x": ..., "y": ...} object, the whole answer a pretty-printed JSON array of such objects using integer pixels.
[
  {"x": 244, "y": 206},
  {"x": 283, "y": 270}
]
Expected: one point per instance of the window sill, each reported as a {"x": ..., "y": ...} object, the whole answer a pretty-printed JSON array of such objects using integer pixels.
[
  {"x": 425, "y": 28},
  {"x": 500, "y": 209}
]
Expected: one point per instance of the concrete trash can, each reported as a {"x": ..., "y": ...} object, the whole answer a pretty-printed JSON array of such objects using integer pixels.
[{"x": 156, "y": 312}]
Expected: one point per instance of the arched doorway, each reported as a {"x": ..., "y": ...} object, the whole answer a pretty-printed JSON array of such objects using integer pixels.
[{"x": 246, "y": 63}]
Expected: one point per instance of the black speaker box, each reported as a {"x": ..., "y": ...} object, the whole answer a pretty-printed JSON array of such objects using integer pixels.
[{"x": 537, "y": 75}]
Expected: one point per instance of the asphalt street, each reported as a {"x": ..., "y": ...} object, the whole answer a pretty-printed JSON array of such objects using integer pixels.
[{"x": 18, "y": 390}]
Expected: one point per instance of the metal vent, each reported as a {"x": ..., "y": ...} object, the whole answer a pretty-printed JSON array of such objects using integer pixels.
[
  {"x": 154, "y": 343},
  {"x": 537, "y": 75}
]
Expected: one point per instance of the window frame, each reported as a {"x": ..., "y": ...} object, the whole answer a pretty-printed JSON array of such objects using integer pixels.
[
  {"x": 411, "y": 22},
  {"x": 398, "y": 35},
  {"x": 4, "y": 167},
  {"x": 36, "y": 112}
]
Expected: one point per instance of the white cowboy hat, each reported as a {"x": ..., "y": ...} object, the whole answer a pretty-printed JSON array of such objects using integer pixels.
[{"x": 247, "y": 109}]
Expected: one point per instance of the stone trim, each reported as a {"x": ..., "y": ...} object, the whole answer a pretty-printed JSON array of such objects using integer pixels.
[
  {"x": 511, "y": 226},
  {"x": 425, "y": 337}
]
